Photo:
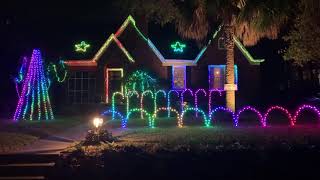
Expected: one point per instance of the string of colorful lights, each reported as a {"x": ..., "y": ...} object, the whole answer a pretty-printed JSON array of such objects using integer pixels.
[
  {"x": 53, "y": 69},
  {"x": 207, "y": 117}
]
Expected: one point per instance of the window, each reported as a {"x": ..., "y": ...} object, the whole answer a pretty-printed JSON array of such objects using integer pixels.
[
  {"x": 217, "y": 76},
  {"x": 81, "y": 87},
  {"x": 113, "y": 82},
  {"x": 179, "y": 77},
  {"x": 221, "y": 43}
]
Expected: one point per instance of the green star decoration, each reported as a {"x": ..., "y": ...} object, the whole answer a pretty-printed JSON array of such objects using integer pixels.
[
  {"x": 178, "y": 47},
  {"x": 82, "y": 47}
]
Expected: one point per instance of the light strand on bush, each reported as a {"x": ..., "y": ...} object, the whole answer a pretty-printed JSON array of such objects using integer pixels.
[
  {"x": 141, "y": 99},
  {"x": 196, "y": 98},
  {"x": 113, "y": 102},
  {"x": 282, "y": 109},
  {"x": 150, "y": 119},
  {"x": 155, "y": 99},
  {"x": 168, "y": 100},
  {"x": 182, "y": 97},
  {"x": 249, "y": 108},
  {"x": 209, "y": 101},
  {"x": 222, "y": 109},
  {"x": 206, "y": 121}
]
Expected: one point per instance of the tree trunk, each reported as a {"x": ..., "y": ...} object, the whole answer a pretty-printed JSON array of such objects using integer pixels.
[{"x": 229, "y": 44}]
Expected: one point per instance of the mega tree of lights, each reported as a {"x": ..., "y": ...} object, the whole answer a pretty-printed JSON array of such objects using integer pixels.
[{"x": 34, "y": 101}]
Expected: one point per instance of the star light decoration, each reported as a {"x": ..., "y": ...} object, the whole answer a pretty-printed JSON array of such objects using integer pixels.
[
  {"x": 178, "y": 47},
  {"x": 82, "y": 47}
]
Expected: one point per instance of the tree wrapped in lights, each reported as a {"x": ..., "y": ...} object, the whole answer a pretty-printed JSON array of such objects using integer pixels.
[
  {"x": 140, "y": 81},
  {"x": 34, "y": 102}
]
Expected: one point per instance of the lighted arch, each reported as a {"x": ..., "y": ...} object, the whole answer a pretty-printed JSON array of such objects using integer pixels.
[
  {"x": 144, "y": 93},
  {"x": 303, "y": 107},
  {"x": 222, "y": 109},
  {"x": 196, "y": 98},
  {"x": 167, "y": 109},
  {"x": 209, "y": 99},
  {"x": 168, "y": 99},
  {"x": 282, "y": 109},
  {"x": 182, "y": 97},
  {"x": 206, "y": 121},
  {"x": 249, "y": 108},
  {"x": 155, "y": 98},
  {"x": 150, "y": 119},
  {"x": 113, "y": 101},
  {"x": 113, "y": 113}
]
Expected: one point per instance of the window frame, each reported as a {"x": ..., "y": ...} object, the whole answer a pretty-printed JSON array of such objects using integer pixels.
[
  {"x": 184, "y": 77},
  {"x": 223, "y": 67}
]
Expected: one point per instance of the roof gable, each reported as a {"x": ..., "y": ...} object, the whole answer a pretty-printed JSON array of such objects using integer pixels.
[{"x": 165, "y": 62}]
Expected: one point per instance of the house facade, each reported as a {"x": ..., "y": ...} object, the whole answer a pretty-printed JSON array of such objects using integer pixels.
[{"x": 129, "y": 49}]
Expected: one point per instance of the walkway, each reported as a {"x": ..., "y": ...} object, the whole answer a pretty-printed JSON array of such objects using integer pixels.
[{"x": 54, "y": 144}]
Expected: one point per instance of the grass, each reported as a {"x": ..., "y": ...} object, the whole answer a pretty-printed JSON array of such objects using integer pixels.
[
  {"x": 223, "y": 138},
  {"x": 13, "y": 141},
  {"x": 16, "y": 135}
]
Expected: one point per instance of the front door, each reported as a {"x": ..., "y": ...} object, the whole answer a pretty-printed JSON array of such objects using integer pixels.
[{"x": 113, "y": 82}]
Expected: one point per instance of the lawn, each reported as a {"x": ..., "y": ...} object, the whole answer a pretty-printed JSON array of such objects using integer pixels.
[
  {"x": 218, "y": 152},
  {"x": 13, "y": 136},
  {"x": 222, "y": 138}
]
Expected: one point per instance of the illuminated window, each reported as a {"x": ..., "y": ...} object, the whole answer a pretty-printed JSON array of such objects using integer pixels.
[
  {"x": 221, "y": 43},
  {"x": 179, "y": 77},
  {"x": 217, "y": 76},
  {"x": 81, "y": 87}
]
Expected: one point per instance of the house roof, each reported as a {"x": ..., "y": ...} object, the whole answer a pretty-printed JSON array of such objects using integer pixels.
[{"x": 165, "y": 62}]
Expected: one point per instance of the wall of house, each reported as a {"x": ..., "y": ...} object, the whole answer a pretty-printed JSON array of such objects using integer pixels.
[{"x": 248, "y": 75}]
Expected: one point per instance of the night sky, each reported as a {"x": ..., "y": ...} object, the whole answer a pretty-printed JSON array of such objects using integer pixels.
[{"x": 55, "y": 27}]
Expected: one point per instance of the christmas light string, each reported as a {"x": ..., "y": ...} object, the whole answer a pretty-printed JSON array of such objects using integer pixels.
[
  {"x": 113, "y": 106},
  {"x": 196, "y": 98},
  {"x": 168, "y": 100},
  {"x": 209, "y": 99},
  {"x": 53, "y": 69},
  {"x": 221, "y": 109},
  {"x": 141, "y": 100},
  {"x": 182, "y": 97},
  {"x": 164, "y": 94}
]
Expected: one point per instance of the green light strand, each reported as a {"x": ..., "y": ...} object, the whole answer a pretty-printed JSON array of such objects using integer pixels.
[{"x": 246, "y": 53}]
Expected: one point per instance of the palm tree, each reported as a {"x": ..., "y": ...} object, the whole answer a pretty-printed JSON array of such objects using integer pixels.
[{"x": 248, "y": 20}]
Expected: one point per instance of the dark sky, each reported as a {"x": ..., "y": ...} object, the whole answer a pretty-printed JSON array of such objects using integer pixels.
[{"x": 55, "y": 26}]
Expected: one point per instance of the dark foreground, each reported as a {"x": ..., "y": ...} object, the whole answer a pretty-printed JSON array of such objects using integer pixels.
[
  {"x": 218, "y": 165},
  {"x": 198, "y": 153}
]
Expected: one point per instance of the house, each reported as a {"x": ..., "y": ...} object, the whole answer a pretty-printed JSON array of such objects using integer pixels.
[{"x": 129, "y": 49}]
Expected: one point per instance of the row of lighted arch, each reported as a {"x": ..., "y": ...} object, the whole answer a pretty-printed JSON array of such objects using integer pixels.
[
  {"x": 166, "y": 95},
  {"x": 207, "y": 118}
]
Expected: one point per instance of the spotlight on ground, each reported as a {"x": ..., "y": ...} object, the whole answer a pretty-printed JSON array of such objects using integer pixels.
[{"x": 97, "y": 122}]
